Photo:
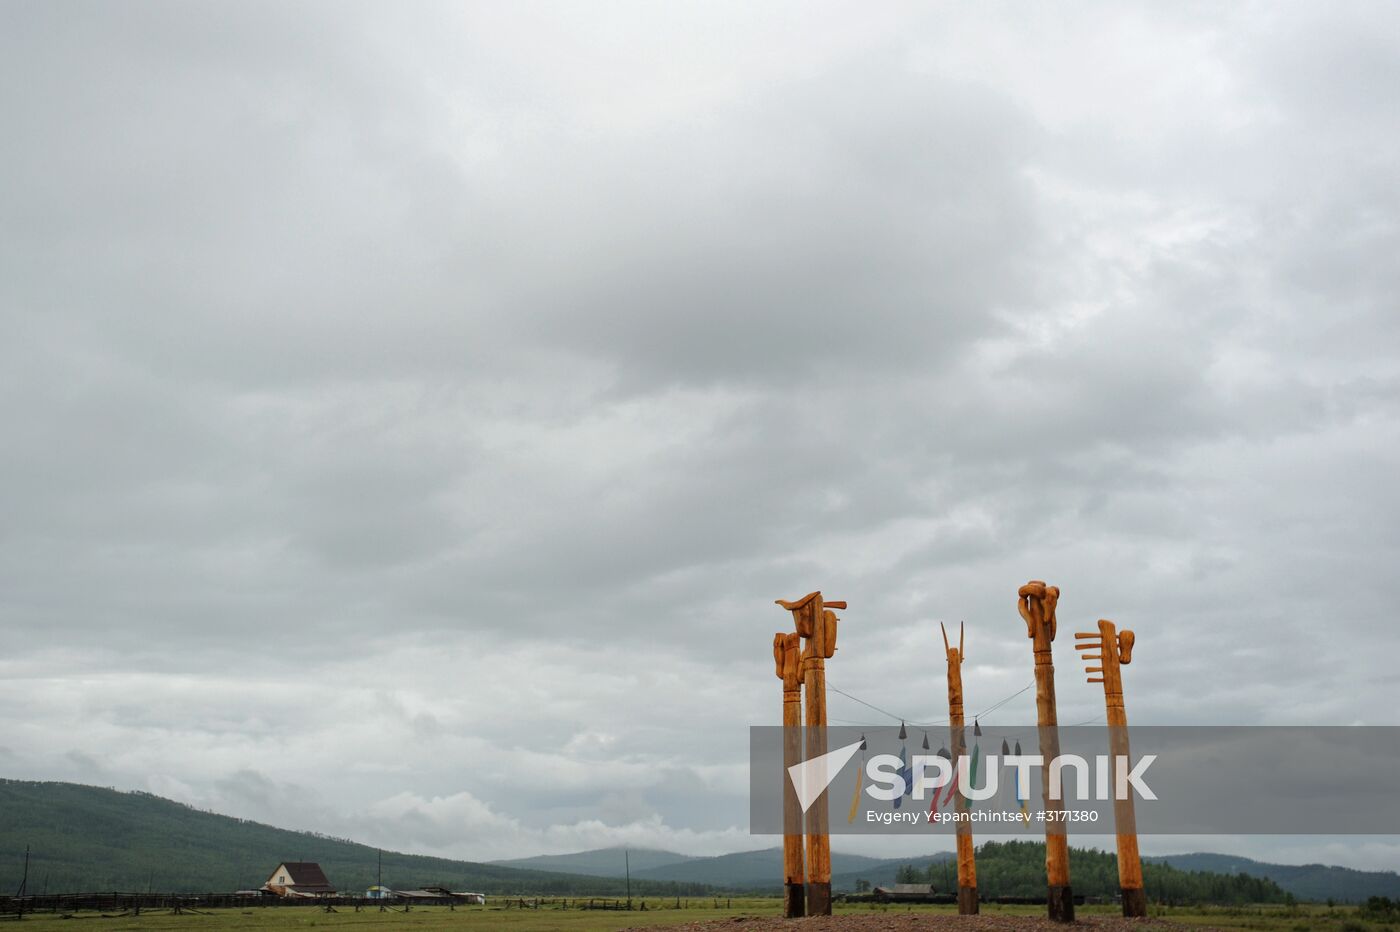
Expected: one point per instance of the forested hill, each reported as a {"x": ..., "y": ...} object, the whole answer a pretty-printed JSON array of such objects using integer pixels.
[
  {"x": 87, "y": 838},
  {"x": 1315, "y": 882},
  {"x": 1017, "y": 868}
]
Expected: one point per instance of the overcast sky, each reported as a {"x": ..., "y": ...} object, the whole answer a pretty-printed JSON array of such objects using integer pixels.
[{"x": 410, "y": 412}]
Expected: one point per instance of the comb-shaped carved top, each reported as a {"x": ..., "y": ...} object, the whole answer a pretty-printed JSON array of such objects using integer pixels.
[{"x": 1106, "y": 652}]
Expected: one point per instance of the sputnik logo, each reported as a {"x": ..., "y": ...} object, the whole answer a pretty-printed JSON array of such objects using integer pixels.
[
  {"x": 893, "y": 778},
  {"x": 811, "y": 777}
]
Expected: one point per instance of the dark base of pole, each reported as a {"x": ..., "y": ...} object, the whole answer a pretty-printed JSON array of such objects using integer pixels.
[
  {"x": 1059, "y": 904},
  {"x": 794, "y": 901},
  {"x": 1134, "y": 903},
  {"x": 967, "y": 901},
  {"x": 819, "y": 899}
]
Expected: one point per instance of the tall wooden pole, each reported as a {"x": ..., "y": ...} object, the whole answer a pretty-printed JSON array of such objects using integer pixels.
[
  {"x": 787, "y": 655},
  {"x": 967, "y": 862},
  {"x": 1036, "y": 603},
  {"x": 1115, "y": 648},
  {"x": 816, "y": 623}
]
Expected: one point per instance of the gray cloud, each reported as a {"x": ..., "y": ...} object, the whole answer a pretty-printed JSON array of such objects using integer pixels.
[{"x": 479, "y": 378}]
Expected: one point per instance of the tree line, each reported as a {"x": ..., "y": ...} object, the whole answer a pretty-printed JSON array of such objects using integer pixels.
[{"x": 1017, "y": 868}]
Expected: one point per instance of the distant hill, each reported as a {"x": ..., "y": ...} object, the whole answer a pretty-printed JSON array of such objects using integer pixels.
[
  {"x": 1003, "y": 868},
  {"x": 1313, "y": 882},
  {"x": 1308, "y": 882},
  {"x": 600, "y": 862},
  {"x": 882, "y": 872},
  {"x": 87, "y": 838},
  {"x": 1017, "y": 868},
  {"x": 744, "y": 870}
]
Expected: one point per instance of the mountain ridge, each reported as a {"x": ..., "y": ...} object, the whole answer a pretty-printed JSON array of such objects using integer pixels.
[
  {"x": 87, "y": 838},
  {"x": 1312, "y": 882},
  {"x": 599, "y": 862},
  {"x": 84, "y": 838},
  {"x": 737, "y": 870}
]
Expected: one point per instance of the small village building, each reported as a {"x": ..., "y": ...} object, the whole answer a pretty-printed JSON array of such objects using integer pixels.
[
  {"x": 299, "y": 879},
  {"x": 439, "y": 895},
  {"x": 413, "y": 895},
  {"x": 478, "y": 899},
  {"x": 906, "y": 892}
]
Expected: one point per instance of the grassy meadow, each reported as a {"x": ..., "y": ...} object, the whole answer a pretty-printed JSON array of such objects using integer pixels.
[{"x": 554, "y": 919}]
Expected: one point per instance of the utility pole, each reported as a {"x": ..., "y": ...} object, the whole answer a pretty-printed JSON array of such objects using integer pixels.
[
  {"x": 627, "y": 869},
  {"x": 23, "y": 885},
  {"x": 787, "y": 656},
  {"x": 816, "y": 623},
  {"x": 1036, "y": 603},
  {"x": 967, "y": 859},
  {"x": 1115, "y": 649}
]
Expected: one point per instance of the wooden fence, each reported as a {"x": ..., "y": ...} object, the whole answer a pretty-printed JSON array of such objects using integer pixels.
[
  {"x": 134, "y": 903},
  {"x": 118, "y": 903}
]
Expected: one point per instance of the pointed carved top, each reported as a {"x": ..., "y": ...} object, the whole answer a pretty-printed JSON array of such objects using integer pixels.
[
  {"x": 955, "y": 688},
  {"x": 954, "y": 656}
]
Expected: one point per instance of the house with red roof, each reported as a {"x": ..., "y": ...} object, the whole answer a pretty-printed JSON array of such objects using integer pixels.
[{"x": 299, "y": 878}]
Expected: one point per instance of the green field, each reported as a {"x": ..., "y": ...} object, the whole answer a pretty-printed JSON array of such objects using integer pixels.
[{"x": 551, "y": 918}]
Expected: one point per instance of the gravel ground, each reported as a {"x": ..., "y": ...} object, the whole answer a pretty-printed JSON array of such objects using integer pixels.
[{"x": 911, "y": 922}]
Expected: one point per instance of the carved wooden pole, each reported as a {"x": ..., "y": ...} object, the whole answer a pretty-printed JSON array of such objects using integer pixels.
[
  {"x": 967, "y": 863},
  {"x": 787, "y": 651},
  {"x": 1036, "y": 603},
  {"x": 817, "y": 625},
  {"x": 1115, "y": 648}
]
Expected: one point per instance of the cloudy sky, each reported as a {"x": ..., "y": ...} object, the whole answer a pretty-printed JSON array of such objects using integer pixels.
[{"x": 411, "y": 412}]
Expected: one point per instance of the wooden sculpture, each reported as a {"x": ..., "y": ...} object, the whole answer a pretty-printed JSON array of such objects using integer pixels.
[
  {"x": 816, "y": 623},
  {"x": 787, "y": 650},
  {"x": 1115, "y": 648},
  {"x": 1036, "y": 603},
  {"x": 967, "y": 863}
]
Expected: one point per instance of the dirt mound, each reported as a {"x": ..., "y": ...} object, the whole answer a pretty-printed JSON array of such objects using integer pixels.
[{"x": 911, "y": 922}]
